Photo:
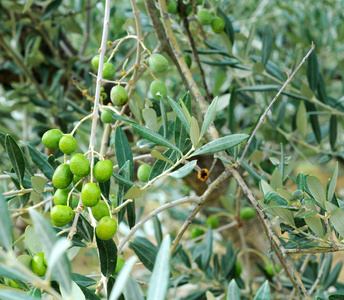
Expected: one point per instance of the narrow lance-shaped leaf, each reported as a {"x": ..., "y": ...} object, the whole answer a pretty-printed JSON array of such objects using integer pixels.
[
  {"x": 154, "y": 137},
  {"x": 107, "y": 256},
  {"x": 163, "y": 115},
  {"x": 194, "y": 132},
  {"x": 185, "y": 170},
  {"x": 159, "y": 281},
  {"x": 209, "y": 116},
  {"x": 333, "y": 183},
  {"x": 5, "y": 225},
  {"x": 267, "y": 44},
  {"x": 301, "y": 119},
  {"x": 16, "y": 157},
  {"x": 145, "y": 251},
  {"x": 317, "y": 190},
  {"x": 336, "y": 217},
  {"x": 333, "y": 131},
  {"x": 151, "y": 119},
  {"x": 123, "y": 150},
  {"x": 233, "y": 292},
  {"x": 208, "y": 249},
  {"x": 156, "y": 154},
  {"x": 180, "y": 113},
  {"x": 263, "y": 292},
  {"x": 221, "y": 144},
  {"x": 231, "y": 108},
  {"x": 313, "y": 71},
  {"x": 314, "y": 222},
  {"x": 314, "y": 121}
]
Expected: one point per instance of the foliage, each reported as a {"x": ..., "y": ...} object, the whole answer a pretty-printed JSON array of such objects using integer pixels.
[{"x": 210, "y": 115}]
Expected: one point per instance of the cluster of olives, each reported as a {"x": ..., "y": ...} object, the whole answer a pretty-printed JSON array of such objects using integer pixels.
[
  {"x": 206, "y": 18},
  {"x": 109, "y": 69},
  {"x": 77, "y": 169}
]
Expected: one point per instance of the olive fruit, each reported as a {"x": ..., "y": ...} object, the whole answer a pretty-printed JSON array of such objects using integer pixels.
[
  {"x": 172, "y": 7},
  {"x": 156, "y": 88},
  {"x": 143, "y": 172},
  {"x": 75, "y": 181},
  {"x": 15, "y": 285},
  {"x": 95, "y": 61},
  {"x": 68, "y": 144},
  {"x": 119, "y": 265},
  {"x": 61, "y": 196},
  {"x": 213, "y": 222},
  {"x": 188, "y": 60},
  {"x": 238, "y": 269},
  {"x": 204, "y": 17},
  {"x": 38, "y": 265},
  {"x": 158, "y": 63},
  {"x": 217, "y": 25},
  {"x": 118, "y": 95},
  {"x": 109, "y": 71},
  {"x": 270, "y": 269},
  {"x": 61, "y": 215},
  {"x": 196, "y": 232},
  {"x": 103, "y": 170},
  {"x": 106, "y": 228},
  {"x": 100, "y": 210},
  {"x": 90, "y": 194},
  {"x": 298, "y": 194},
  {"x": 247, "y": 213},
  {"x": 79, "y": 165},
  {"x": 51, "y": 138},
  {"x": 107, "y": 117},
  {"x": 62, "y": 177}
]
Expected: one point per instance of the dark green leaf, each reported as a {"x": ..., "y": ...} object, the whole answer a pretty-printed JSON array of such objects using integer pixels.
[
  {"x": 124, "y": 173},
  {"x": 317, "y": 189},
  {"x": 40, "y": 160},
  {"x": 314, "y": 121},
  {"x": 84, "y": 229},
  {"x": 82, "y": 280},
  {"x": 181, "y": 135},
  {"x": 333, "y": 132},
  {"x": 333, "y": 183},
  {"x": 161, "y": 165},
  {"x": 313, "y": 71},
  {"x": 322, "y": 94},
  {"x": 333, "y": 276},
  {"x": 154, "y": 137},
  {"x": 89, "y": 295},
  {"x": 107, "y": 256},
  {"x": 271, "y": 68},
  {"x": 228, "y": 25},
  {"x": 206, "y": 256},
  {"x": 180, "y": 114},
  {"x": 157, "y": 230},
  {"x": 145, "y": 251},
  {"x": 51, "y": 8},
  {"x": 335, "y": 297},
  {"x": 123, "y": 180},
  {"x": 123, "y": 150},
  {"x": 231, "y": 108},
  {"x": 209, "y": 116},
  {"x": 163, "y": 115},
  {"x": 266, "y": 44},
  {"x": 221, "y": 144},
  {"x": 16, "y": 157},
  {"x": 5, "y": 225},
  {"x": 185, "y": 170}
]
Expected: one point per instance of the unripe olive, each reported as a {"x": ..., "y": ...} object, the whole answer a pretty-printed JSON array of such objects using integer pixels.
[
  {"x": 107, "y": 117},
  {"x": 118, "y": 95},
  {"x": 61, "y": 215},
  {"x": 158, "y": 63},
  {"x": 217, "y": 25},
  {"x": 61, "y": 196},
  {"x": 156, "y": 88},
  {"x": 196, "y": 232},
  {"x": 90, "y": 194},
  {"x": 238, "y": 269},
  {"x": 100, "y": 210},
  {"x": 68, "y": 144},
  {"x": 119, "y": 265},
  {"x": 103, "y": 170},
  {"x": 270, "y": 269},
  {"x": 247, "y": 213},
  {"x": 188, "y": 60},
  {"x": 51, "y": 138},
  {"x": 106, "y": 228},
  {"x": 62, "y": 177},
  {"x": 79, "y": 165},
  {"x": 109, "y": 71},
  {"x": 75, "y": 181},
  {"x": 213, "y": 222},
  {"x": 95, "y": 61},
  {"x": 204, "y": 17},
  {"x": 143, "y": 172},
  {"x": 172, "y": 7},
  {"x": 38, "y": 265}
]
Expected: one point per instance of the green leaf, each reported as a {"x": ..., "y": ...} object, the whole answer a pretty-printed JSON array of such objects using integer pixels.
[
  {"x": 16, "y": 157},
  {"x": 233, "y": 292},
  {"x": 163, "y": 115},
  {"x": 317, "y": 190},
  {"x": 83, "y": 280},
  {"x": 313, "y": 71},
  {"x": 75, "y": 293},
  {"x": 27, "y": 6},
  {"x": 119, "y": 117},
  {"x": 209, "y": 116},
  {"x": 32, "y": 241},
  {"x": 5, "y": 225},
  {"x": 221, "y": 144},
  {"x": 229, "y": 30},
  {"x": 107, "y": 256},
  {"x": 185, "y": 170},
  {"x": 133, "y": 290},
  {"x": 314, "y": 121},
  {"x": 231, "y": 107},
  {"x": 145, "y": 251},
  {"x": 60, "y": 248},
  {"x": 301, "y": 119},
  {"x": 161, "y": 165},
  {"x": 266, "y": 44},
  {"x": 322, "y": 94},
  {"x": 156, "y": 154},
  {"x": 333, "y": 277},
  {"x": 194, "y": 132},
  {"x": 38, "y": 184},
  {"x": 51, "y": 8},
  {"x": 333, "y": 131},
  {"x": 122, "y": 278},
  {"x": 124, "y": 185},
  {"x": 154, "y": 137},
  {"x": 123, "y": 180},
  {"x": 180, "y": 114},
  {"x": 151, "y": 119},
  {"x": 336, "y": 217},
  {"x": 186, "y": 111},
  {"x": 276, "y": 179},
  {"x": 333, "y": 183},
  {"x": 123, "y": 151},
  {"x": 84, "y": 229},
  {"x": 314, "y": 222},
  {"x": 40, "y": 160},
  {"x": 61, "y": 272},
  {"x": 14, "y": 295},
  {"x": 263, "y": 292},
  {"x": 159, "y": 280},
  {"x": 133, "y": 193},
  {"x": 157, "y": 230},
  {"x": 206, "y": 256},
  {"x": 181, "y": 135}
]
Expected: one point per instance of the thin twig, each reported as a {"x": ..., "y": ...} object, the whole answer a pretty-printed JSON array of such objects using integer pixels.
[
  {"x": 261, "y": 119},
  {"x": 321, "y": 271}
]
